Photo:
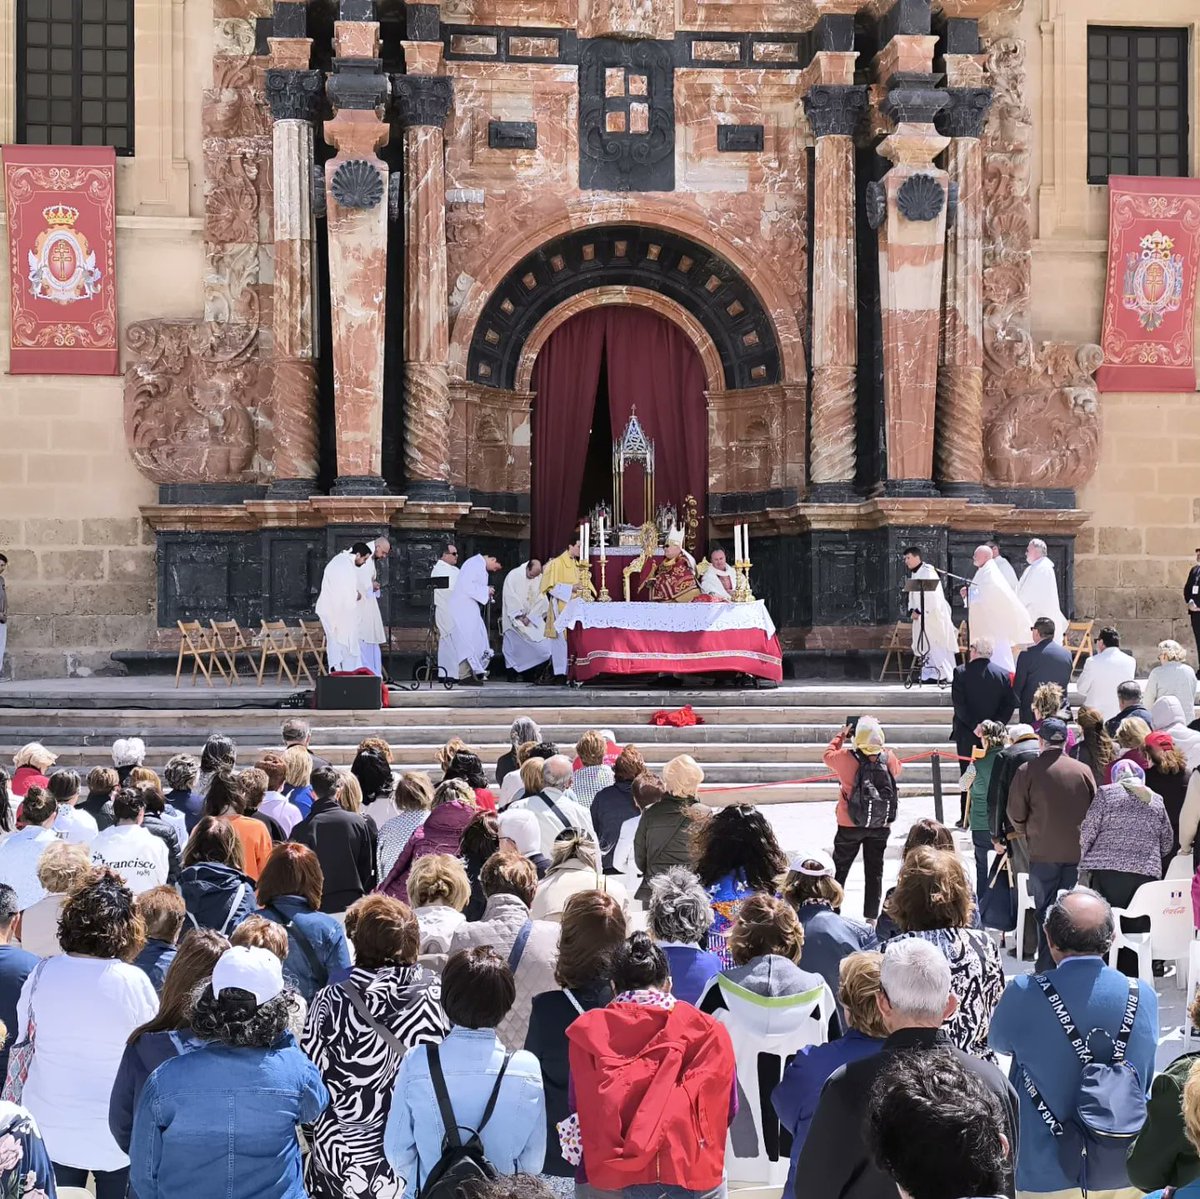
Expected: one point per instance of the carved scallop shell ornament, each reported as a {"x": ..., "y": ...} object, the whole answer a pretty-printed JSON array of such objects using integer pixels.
[
  {"x": 357, "y": 184},
  {"x": 920, "y": 198}
]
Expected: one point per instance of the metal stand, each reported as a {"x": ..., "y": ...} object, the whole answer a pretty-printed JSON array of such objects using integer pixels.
[
  {"x": 921, "y": 648},
  {"x": 427, "y": 670}
]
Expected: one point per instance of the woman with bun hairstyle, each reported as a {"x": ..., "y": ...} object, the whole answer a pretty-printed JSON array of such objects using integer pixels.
[{"x": 643, "y": 1116}]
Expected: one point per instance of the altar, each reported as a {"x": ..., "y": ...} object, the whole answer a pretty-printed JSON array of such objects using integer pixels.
[{"x": 644, "y": 638}]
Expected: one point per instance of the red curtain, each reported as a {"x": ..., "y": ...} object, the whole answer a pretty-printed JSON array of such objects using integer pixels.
[
  {"x": 565, "y": 378},
  {"x": 652, "y": 365}
]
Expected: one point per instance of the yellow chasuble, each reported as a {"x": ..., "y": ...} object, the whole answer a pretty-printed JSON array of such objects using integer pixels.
[{"x": 563, "y": 569}]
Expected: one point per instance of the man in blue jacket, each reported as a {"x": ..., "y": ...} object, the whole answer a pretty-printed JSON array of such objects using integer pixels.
[
  {"x": 1045, "y": 661},
  {"x": 1079, "y": 929}
]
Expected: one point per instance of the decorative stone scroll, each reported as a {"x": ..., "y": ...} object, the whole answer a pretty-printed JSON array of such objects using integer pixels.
[{"x": 1041, "y": 407}]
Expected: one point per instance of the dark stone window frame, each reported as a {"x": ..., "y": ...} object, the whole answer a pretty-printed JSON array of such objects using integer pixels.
[
  {"x": 75, "y": 73},
  {"x": 1137, "y": 89}
]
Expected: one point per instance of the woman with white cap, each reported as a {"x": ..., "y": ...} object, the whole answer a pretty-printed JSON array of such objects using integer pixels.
[
  {"x": 128, "y": 753},
  {"x": 31, "y": 762},
  {"x": 222, "y": 1120},
  {"x": 520, "y": 832}
]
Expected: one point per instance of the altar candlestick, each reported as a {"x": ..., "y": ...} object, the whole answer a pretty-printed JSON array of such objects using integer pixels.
[
  {"x": 737, "y": 543},
  {"x": 602, "y": 541},
  {"x": 745, "y": 543}
]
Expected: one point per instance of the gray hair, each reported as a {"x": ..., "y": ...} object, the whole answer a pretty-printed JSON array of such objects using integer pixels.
[
  {"x": 1038, "y": 544},
  {"x": 1172, "y": 651},
  {"x": 1073, "y": 936},
  {"x": 295, "y": 731},
  {"x": 983, "y": 646},
  {"x": 557, "y": 772},
  {"x": 915, "y": 977},
  {"x": 523, "y": 729},
  {"x": 679, "y": 907}
]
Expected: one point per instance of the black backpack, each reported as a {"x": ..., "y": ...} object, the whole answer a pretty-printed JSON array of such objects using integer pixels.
[
  {"x": 462, "y": 1162},
  {"x": 872, "y": 800}
]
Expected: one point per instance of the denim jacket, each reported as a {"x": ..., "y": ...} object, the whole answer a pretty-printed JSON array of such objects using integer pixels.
[
  {"x": 514, "y": 1140},
  {"x": 325, "y": 934},
  {"x": 220, "y": 1123}
]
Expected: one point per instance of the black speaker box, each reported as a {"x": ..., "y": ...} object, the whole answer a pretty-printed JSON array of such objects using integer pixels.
[{"x": 360, "y": 692}]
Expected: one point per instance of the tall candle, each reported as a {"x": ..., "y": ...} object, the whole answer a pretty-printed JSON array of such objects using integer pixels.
[
  {"x": 737, "y": 543},
  {"x": 602, "y": 541},
  {"x": 746, "y": 542}
]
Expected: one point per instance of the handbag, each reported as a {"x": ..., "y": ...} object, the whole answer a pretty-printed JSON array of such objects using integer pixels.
[
  {"x": 20, "y": 1055},
  {"x": 998, "y": 904}
]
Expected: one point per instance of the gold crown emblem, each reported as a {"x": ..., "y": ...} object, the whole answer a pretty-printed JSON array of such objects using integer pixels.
[{"x": 61, "y": 216}]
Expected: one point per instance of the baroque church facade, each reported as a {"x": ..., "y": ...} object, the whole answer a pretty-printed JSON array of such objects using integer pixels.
[{"x": 347, "y": 230}]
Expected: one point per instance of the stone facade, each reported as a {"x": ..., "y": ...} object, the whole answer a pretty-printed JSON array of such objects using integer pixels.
[{"x": 341, "y": 244}]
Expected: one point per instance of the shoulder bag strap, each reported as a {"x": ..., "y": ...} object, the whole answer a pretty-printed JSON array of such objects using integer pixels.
[
  {"x": 495, "y": 1095},
  {"x": 381, "y": 1031},
  {"x": 449, "y": 1121},
  {"x": 319, "y": 972},
  {"x": 573, "y": 1001},
  {"x": 517, "y": 951},
  {"x": 233, "y": 908},
  {"x": 1121, "y": 1042},
  {"x": 555, "y": 809},
  {"x": 1064, "y": 1018}
]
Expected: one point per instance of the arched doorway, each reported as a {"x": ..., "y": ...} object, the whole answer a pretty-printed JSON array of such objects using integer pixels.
[{"x": 590, "y": 374}]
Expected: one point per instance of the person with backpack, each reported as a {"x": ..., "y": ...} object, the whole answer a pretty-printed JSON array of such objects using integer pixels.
[
  {"x": 555, "y": 805},
  {"x": 217, "y": 892},
  {"x": 467, "y": 1110},
  {"x": 1082, "y": 1038},
  {"x": 867, "y": 775}
]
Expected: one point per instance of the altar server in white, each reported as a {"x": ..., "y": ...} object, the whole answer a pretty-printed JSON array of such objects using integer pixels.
[
  {"x": 469, "y": 632},
  {"x": 337, "y": 607},
  {"x": 1038, "y": 588},
  {"x": 941, "y": 638},
  {"x": 523, "y": 618},
  {"x": 1006, "y": 567},
  {"x": 370, "y": 620},
  {"x": 446, "y": 567},
  {"x": 996, "y": 614},
  {"x": 719, "y": 579}
]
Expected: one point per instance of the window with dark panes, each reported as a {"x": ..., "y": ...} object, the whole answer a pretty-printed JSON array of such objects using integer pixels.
[
  {"x": 75, "y": 73},
  {"x": 1137, "y": 102}
]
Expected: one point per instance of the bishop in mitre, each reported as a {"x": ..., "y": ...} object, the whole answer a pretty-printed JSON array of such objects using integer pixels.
[
  {"x": 995, "y": 611},
  {"x": 1038, "y": 588},
  {"x": 523, "y": 618},
  {"x": 936, "y": 641},
  {"x": 672, "y": 578},
  {"x": 717, "y": 578},
  {"x": 337, "y": 608},
  {"x": 446, "y": 567},
  {"x": 563, "y": 578},
  {"x": 371, "y": 632}
]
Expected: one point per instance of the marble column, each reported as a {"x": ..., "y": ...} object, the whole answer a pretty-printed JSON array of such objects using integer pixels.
[
  {"x": 959, "y": 443},
  {"x": 293, "y": 95},
  {"x": 356, "y": 188},
  {"x": 908, "y": 208},
  {"x": 423, "y": 103},
  {"x": 833, "y": 114}
]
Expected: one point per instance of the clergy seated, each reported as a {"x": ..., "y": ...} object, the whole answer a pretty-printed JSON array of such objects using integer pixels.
[{"x": 672, "y": 578}]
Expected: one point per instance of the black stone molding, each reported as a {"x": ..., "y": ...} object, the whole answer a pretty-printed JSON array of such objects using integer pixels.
[
  {"x": 566, "y": 43},
  {"x": 423, "y": 22},
  {"x": 356, "y": 10},
  {"x": 740, "y": 139},
  {"x": 512, "y": 135},
  {"x": 962, "y": 35},
  {"x": 835, "y": 111},
  {"x": 835, "y": 32},
  {"x": 913, "y": 101},
  {"x": 422, "y": 99},
  {"x": 294, "y": 95},
  {"x": 669, "y": 263},
  {"x": 965, "y": 113},
  {"x": 876, "y": 203},
  {"x": 359, "y": 485},
  {"x": 318, "y": 191},
  {"x": 357, "y": 83},
  {"x": 905, "y": 16},
  {"x": 289, "y": 19},
  {"x": 920, "y": 198}
]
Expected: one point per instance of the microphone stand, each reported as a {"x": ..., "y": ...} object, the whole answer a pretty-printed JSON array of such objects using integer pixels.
[{"x": 966, "y": 598}]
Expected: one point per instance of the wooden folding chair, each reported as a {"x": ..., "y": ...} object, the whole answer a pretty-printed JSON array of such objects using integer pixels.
[
  {"x": 312, "y": 641},
  {"x": 1078, "y": 639},
  {"x": 195, "y": 642},
  {"x": 229, "y": 640},
  {"x": 964, "y": 647},
  {"x": 279, "y": 642},
  {"x": 899, "y": 644}
]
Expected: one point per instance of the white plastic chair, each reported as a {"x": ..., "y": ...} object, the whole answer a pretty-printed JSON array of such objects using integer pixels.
[
  {"x": 1024, "y": 905},
  {"x": 1191, "y": 1042},
  {"x": 1168, "y": 903},
  {"x": 74, "y": 1193},
  {"x": 1180, "y": 867}
]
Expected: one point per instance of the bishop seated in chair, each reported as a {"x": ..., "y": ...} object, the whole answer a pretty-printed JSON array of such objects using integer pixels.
[{"x": 673, "y": 577}]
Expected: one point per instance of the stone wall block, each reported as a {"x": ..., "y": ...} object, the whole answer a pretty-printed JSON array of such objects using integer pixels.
[{"x": 84, "y": 565}]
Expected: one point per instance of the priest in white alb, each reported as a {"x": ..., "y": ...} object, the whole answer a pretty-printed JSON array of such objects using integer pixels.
[
  {"x": 523, "y": 618},
  {"x": 337, "y": 608},
  {"x": 1038, "y": 588},
  {"x": 1006, "y": 567},
  {"x": 994, "y": 611},
  {"x": 937, "y": 640},
  {"x": 468, "y": 631},
  {"x": 446, "y": 567},
  {"x": 371, "y": 632},
  {"x": 718, "y": 578}
]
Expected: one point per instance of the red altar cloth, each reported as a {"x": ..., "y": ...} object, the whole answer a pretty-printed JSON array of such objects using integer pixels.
[{"x": 596, "y": 652}]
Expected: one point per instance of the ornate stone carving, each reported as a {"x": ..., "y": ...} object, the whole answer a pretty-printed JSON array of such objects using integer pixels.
[
  {"x": 965, "y": 114},
  {"x": 357, "y": 184},
  {"x": 233, "y": 36},
  {"x": 426, "y": 421},
  {"x": 231, "y": 284},
  {"x": 1041, "y": 408},
  {"x": 231, "y": 201},
  {"x": 832, "y": 453},
  {"x": 294, "y": 95},
  {"x": 876, "y": 203},
  {"x": 422, "y": 99},
  {"x": 920, "y": 198},
  {"x": 191, "y": 400},
  {"x": 835, "y": 111}
]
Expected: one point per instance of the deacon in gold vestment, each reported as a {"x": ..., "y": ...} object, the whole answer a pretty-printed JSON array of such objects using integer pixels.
[{"x": 562, "y": 578}]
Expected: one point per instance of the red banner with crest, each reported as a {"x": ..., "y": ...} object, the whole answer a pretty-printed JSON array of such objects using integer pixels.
[
  {"x": 62, "y": 217},
  {"x": 1149, "y": 305}
]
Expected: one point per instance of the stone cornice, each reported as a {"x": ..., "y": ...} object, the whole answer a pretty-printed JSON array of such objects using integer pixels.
[{"x": 318, "y": 512}]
